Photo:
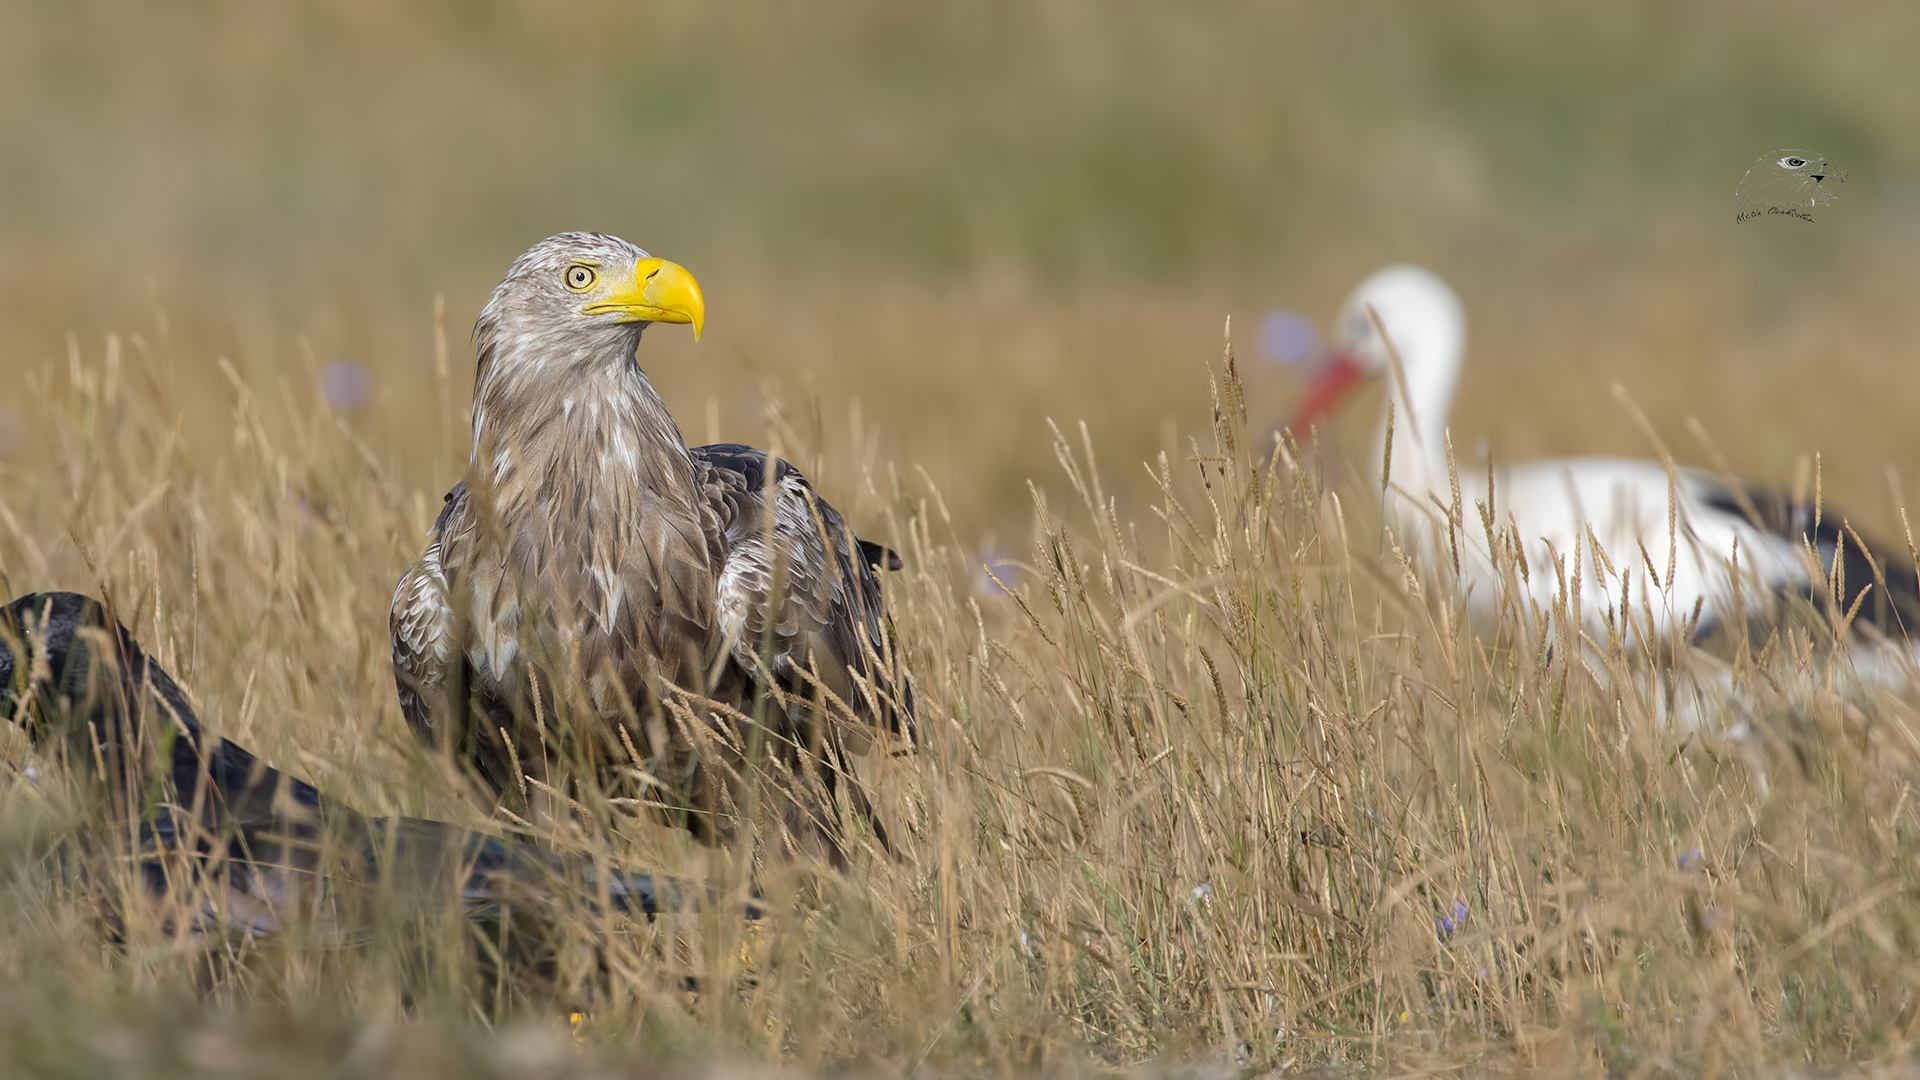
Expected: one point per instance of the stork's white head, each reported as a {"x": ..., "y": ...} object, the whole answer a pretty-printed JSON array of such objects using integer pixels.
[{"x": 1427, "y": 327}]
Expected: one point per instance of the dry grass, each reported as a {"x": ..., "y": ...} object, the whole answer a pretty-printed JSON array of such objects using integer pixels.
[{"x": 1205, "y": 786}]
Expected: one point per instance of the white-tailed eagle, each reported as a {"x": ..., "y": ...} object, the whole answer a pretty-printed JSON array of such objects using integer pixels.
[{"x": 598, "y": 600}]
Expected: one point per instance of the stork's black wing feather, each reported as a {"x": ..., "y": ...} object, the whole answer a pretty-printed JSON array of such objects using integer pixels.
[{"x": 1894, "y": 609}]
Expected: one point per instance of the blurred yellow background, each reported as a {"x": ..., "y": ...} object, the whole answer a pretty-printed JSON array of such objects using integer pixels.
[{"x": 972, "y": 217}]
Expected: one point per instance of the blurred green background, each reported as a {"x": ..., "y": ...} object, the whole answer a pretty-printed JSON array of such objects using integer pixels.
[{"x": 975, "y": 216}]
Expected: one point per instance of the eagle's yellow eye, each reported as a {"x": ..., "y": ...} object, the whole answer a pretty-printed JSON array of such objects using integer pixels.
[{"x": 580, "y": 278}]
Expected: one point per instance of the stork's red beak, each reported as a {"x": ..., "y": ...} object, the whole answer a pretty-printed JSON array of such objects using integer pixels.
[{"x": 1337, "y": 379}]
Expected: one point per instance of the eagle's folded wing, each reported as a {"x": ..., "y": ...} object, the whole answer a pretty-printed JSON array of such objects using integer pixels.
[
  {"x": 428, "y": 657},
  {"x": 797, "y": 591}
]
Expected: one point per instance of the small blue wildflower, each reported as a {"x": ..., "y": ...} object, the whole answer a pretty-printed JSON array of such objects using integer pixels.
[
  {"x": 1456, "y": 918},
  {"x": 1288, "y": 338},
  {"x": 1691, "y": 862},
  {"x": 1002, "y": 566},
  {"x": 345, "y": 385}
]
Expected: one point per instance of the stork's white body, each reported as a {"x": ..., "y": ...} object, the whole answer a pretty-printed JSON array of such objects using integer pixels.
[
  {"x": 1615, "y": 543},
  {"x": 1626, "y": 547}
]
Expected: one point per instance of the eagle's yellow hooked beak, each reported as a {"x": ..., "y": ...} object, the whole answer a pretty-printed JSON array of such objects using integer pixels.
[{"x": 660, "y": 291}]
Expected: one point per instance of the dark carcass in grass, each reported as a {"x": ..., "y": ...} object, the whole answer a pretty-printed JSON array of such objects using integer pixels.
[{"x": 224, "y": 844}]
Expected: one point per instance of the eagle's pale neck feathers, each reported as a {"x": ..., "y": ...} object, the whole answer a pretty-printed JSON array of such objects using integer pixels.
[{"x": 560, "y": 408}]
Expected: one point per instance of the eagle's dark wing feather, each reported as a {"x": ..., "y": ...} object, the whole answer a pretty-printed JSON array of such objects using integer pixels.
[
  {"x": 435, "y": 638},
  {"x": 799, "y": 601},
  {"x": 880, "y": 557},
  {"x": 798, "y": 593},
  {"x": 428, "y": 657}
]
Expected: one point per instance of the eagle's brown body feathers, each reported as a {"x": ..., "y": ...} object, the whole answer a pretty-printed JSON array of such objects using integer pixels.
[{"x": 593, "y": 573}]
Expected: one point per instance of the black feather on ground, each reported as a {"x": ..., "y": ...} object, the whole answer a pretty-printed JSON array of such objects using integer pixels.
[{"x": 241, "y": 845}]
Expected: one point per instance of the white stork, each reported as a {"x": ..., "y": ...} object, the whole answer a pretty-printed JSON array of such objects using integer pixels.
[{"x": 1657, "y": 553}]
